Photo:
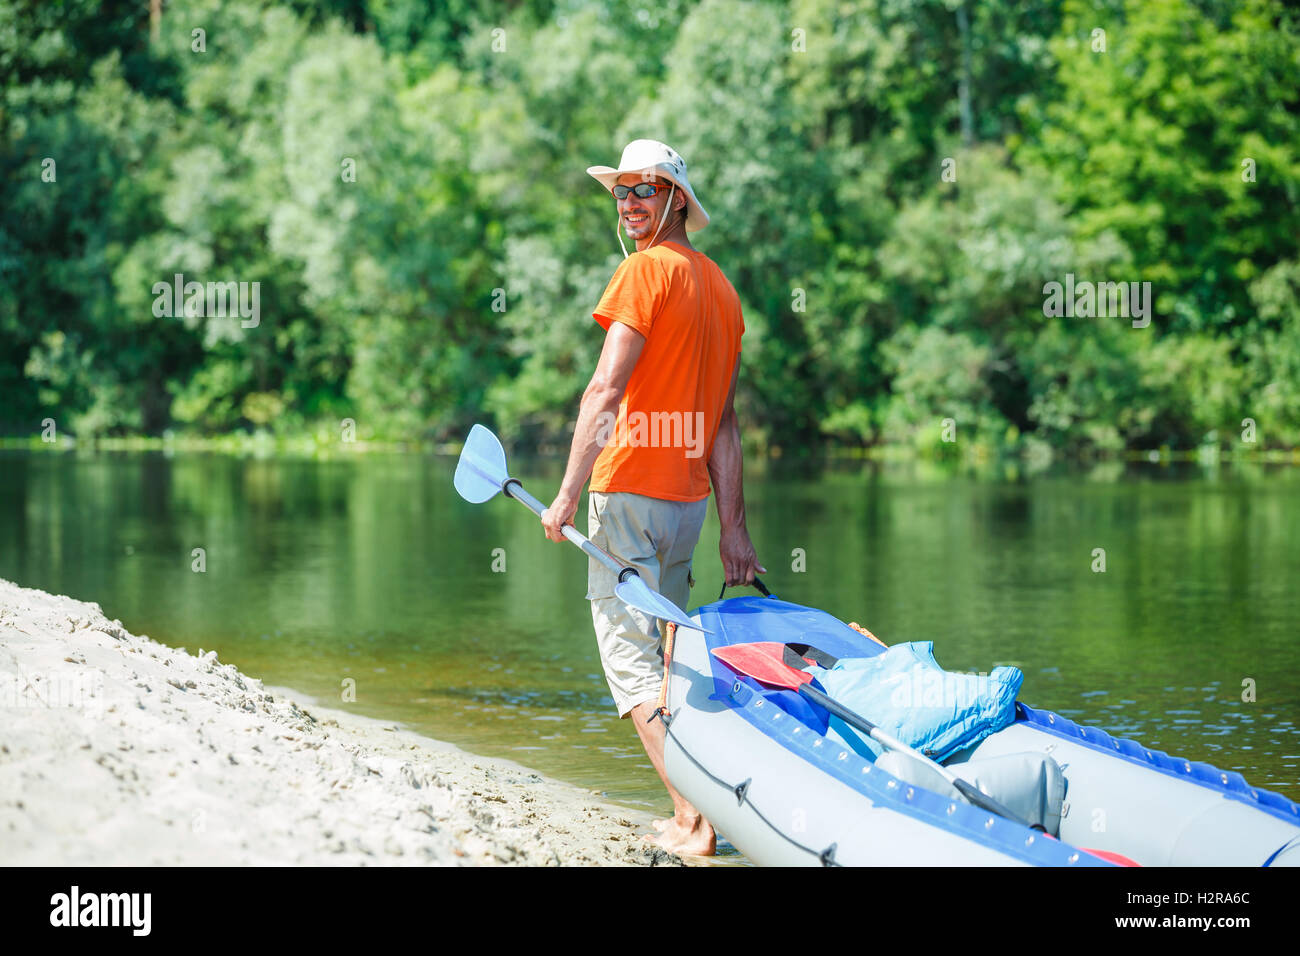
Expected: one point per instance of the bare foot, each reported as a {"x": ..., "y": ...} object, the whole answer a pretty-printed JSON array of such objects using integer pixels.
[
  {"x": 662, "y": 825},
  {"x": 697, "y": 840}
]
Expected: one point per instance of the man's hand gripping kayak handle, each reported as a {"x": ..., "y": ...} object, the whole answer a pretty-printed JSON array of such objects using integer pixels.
[{"x": 514, "y": 489}]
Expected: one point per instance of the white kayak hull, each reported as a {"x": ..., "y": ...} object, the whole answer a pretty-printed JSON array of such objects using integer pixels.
[{"x": 786, "y": 796}]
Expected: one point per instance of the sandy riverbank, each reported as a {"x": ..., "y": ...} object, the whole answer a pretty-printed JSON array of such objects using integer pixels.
[{"x": 118, "y": 750}]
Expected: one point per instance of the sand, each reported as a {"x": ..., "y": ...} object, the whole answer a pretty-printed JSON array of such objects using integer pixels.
[{"x": 118, "y": 750}]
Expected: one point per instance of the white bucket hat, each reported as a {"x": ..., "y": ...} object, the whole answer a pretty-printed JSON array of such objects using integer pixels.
[{"x": 648, "y": 157}]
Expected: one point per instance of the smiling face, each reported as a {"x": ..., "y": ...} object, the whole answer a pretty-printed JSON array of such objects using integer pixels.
[{"x": 640, "y": 217}]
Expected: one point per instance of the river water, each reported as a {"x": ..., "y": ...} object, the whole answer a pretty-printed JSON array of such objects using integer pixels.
[{"x": 368, "y": 577}]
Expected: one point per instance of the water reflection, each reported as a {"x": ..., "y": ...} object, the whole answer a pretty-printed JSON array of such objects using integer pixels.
[{"x": 371, "y": 569}]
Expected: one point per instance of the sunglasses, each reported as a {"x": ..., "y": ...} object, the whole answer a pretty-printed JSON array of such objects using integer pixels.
[{"x": 640, "y": 190}]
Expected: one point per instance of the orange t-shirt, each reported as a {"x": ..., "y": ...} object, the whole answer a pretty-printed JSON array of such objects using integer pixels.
[{"x": 690, "y": 316}]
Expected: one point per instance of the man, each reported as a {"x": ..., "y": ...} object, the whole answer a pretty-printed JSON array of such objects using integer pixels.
[{"x": 656, "y": 424}]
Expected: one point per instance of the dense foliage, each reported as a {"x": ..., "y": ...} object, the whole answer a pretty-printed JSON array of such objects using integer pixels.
[{"x": 892, "y": 185}]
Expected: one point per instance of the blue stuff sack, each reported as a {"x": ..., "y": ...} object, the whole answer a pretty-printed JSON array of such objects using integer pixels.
[{"x": 908, "y": 695}]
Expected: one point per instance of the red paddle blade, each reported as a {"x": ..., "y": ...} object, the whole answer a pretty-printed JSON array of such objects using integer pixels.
[{"x": 764, "y": 661}]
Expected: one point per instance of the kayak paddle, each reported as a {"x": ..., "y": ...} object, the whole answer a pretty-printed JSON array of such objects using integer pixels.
[
  {"x": 766, "y": 661},
  {"x": 481, "y": 473}
]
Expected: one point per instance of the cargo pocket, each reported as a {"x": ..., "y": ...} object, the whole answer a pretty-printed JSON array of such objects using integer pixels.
[{"x": 600, "y": 579}]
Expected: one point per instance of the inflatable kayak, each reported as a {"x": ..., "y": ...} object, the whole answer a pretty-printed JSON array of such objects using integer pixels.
[{"x": 758, "y": 762}]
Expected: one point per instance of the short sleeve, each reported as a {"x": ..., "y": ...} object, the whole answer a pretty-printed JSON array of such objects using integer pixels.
[{"x": 635, "y": 295}]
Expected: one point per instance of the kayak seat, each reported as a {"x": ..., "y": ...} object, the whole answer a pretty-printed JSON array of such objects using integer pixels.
[{"x": 1030, "y": 785}]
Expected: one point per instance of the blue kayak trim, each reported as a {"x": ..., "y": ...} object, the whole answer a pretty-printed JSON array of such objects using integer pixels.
[
  {"x": 780, "y": 715},
  {"x": 784, "y": 622},
  {"x": 1279, "y": 851},
  {"x": 1229, "y": 783}
]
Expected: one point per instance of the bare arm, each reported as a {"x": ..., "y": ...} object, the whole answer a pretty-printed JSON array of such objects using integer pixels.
[
  {"x": 739, "y": 561},
  {"x": 596, "y": 415}
]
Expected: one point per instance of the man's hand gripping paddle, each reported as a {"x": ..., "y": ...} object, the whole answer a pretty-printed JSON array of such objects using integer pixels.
[{"x": 481, "y": 473}]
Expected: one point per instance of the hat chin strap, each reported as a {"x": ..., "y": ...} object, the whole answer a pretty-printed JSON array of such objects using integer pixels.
[{"x": 618, "y": 226}]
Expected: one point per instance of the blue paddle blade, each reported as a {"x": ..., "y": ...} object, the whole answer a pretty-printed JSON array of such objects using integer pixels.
[
  {"x": 637, "y": 594},
  {"x": 481, "y": 472},
  {"x": 482, "y": 466}
]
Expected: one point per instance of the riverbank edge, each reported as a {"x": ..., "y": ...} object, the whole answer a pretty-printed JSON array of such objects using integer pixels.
[
  {"x": 118, "y": 750},
  {"x": 255, "y": 444}
]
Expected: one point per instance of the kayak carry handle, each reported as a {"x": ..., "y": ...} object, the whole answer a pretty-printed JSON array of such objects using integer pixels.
[{"x": 757, "y": 582}]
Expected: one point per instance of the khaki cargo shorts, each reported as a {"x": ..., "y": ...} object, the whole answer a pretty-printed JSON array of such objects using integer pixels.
[{"x": 658, "y": 538}]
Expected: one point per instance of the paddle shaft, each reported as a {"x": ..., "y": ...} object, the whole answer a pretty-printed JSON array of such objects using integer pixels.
[
  {"x": 514, "y": 489},
  {"x": 857, "y": 721}
]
